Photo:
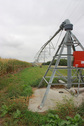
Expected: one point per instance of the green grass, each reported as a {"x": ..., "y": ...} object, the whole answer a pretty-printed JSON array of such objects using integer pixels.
[
  {"x": 32, "y": 76},
  {"x": 20, "y": 84},
  {"x": 15, "y": 90}
]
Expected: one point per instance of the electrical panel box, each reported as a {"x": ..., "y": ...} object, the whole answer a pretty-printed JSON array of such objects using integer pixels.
[{"x": 78, "y": 58}]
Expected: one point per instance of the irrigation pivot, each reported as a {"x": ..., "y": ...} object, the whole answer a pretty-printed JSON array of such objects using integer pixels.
[{"x": 68, "y": 49}]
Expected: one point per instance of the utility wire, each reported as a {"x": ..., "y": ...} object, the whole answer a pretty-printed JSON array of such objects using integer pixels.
[
  {"x": 65, "y": 12},
  {"x": 79, "y": 19},
  {"x": 58, "y": 39},
  {"x": 76, "y": 6},
  {"x": 72, "y": 9}
]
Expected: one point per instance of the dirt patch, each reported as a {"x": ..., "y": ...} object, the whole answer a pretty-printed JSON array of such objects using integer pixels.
[{"x": 54, "y": 96}]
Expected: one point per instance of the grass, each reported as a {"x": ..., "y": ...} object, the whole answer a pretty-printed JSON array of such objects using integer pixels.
[
  {"x": 15, "y": 90},
  {"x": 15, "y": 114},
  {"x": 20, "y": 84}
]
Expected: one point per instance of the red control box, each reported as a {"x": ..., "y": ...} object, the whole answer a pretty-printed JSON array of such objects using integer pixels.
[{"x": 78, "y": 58}]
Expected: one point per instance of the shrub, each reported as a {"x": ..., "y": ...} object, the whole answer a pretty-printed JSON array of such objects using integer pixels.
[
  {"x": 66, "y": 108},
  {"x": 54, "y": 120},
  {"x": 63, "y": 62}
]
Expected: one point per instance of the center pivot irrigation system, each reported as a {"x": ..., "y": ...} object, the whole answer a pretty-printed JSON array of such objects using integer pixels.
[{"x": 74, "y": 70}]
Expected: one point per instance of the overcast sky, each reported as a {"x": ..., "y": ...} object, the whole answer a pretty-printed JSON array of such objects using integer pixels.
[{"x": 25, "y": 25}]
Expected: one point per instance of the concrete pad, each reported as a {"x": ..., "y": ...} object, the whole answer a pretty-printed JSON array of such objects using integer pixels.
[{"x": 52, "y": 98}]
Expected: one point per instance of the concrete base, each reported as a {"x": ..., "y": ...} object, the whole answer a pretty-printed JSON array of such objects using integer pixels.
[{"x": 53, "y": 97}]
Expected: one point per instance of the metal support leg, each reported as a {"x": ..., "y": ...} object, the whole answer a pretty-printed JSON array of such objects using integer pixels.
[
  {"x": 45, "y": 96},
  {"x": 69, "y": 62},
  {"x": 52, "y": 77},
  {"x": 69, "y": 70}
]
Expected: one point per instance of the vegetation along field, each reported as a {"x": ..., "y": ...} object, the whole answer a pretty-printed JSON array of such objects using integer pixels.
[{"x": 17, "y": 79}]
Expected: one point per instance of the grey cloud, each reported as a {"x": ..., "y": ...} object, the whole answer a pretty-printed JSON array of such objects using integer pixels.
[
  {"x": 10, "y": 42},
  {"x": 25, "y": 25}
]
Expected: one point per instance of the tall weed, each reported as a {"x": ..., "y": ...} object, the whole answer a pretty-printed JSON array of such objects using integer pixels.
[
  {"x": 66, "y": 107},
  {"x": 81, "y": 109},
  {"x": 12, "y": 65}
]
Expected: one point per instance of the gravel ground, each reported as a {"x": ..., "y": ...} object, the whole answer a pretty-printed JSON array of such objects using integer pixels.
[{"x": 52, "y": 98}]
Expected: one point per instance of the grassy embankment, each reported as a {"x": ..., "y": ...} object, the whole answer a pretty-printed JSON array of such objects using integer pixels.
[{"x": 15, "y": 90}]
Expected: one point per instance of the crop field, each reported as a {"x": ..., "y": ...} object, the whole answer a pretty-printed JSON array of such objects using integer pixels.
[
  {"x": 15, "y": 90},
  {"x": 11, "y": 65}
]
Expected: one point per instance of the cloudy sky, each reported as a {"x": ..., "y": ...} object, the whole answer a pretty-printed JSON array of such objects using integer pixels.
[{"x": 25, "y": 25}]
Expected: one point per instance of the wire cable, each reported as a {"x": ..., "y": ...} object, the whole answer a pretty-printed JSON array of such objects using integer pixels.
[
  {"x": 79, "y": 19},
  {"x": 58, "y": 39}
]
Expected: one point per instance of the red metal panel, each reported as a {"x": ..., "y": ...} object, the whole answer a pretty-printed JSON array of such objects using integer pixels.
[{"x": 78, "y": 58}]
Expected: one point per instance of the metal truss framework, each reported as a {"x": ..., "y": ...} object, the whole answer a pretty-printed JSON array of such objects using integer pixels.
[
  {"x": 55, "y": 73},
  {"x": 44, "y": 52},
  {"x": 47, "y": 48}
]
